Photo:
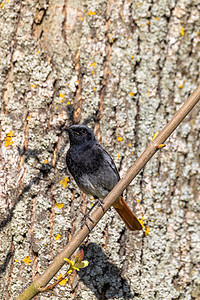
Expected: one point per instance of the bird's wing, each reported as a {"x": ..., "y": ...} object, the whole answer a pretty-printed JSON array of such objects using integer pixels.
[
  {"x": 108, "y": 159},
  {"x": 107, "y": 175}
]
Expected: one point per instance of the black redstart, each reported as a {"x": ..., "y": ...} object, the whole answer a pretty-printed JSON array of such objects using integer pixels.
[{"x": 94, "y": 170}]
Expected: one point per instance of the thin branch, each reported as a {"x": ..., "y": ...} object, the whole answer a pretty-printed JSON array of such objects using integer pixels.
[{"x": 152, "y": 148}]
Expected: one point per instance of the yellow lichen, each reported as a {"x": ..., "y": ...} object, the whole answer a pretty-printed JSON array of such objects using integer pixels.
[
  {"x": 91, "y": 13},
  {"x": 58, "y": 237},
  {"x": 59, "y": 205},
  {"x": 65, "y": 182},
  {"x": 45, "y": 161},
  {"x": 27, "y": 260},
  {"x": 146, "y": 230},
  {"x": 8, "y": 140},
  {"x": 93, "y": 65},
  {"x": 62, "y": 96},
  {"x": 182, "y": 31}
]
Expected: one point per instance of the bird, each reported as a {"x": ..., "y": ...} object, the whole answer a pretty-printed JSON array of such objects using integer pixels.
[{"x": 95, "y": 172}]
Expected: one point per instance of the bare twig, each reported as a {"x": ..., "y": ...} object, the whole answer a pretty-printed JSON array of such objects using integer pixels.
[{"x": 152, "y": 148}]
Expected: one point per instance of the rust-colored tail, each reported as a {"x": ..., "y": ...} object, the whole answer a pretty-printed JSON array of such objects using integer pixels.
[{"x": 126, "y": 214}]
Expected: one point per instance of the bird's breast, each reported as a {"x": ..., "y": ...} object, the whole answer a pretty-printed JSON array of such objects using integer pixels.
[{"x": 83, "y": 159}]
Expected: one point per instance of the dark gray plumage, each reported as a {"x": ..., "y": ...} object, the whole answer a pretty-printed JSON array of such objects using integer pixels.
[{"x": 94, "y": 170}]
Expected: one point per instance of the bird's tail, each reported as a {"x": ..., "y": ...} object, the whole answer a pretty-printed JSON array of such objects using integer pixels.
[{"x": 126, "y": 214}]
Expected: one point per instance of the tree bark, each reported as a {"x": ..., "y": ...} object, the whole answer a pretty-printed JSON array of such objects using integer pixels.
[{"x": 123, "y": 68}]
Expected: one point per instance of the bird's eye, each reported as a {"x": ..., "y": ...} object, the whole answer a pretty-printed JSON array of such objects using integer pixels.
[{"x": 78, "y": 133}]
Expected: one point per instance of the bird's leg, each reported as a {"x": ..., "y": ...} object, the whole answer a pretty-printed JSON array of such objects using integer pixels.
[
  {"x": 97, "y": 202},
  {"x": 88, "y": 217}
]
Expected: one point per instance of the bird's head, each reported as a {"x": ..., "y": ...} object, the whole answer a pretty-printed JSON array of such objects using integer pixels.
[{"x": 80, "y": 134}]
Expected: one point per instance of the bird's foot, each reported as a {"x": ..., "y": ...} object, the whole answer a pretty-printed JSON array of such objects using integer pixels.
[{"x": 87, "y": 217}]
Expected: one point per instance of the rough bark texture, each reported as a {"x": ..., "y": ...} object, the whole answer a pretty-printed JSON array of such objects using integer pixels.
[{"x": 123, "y": 68}]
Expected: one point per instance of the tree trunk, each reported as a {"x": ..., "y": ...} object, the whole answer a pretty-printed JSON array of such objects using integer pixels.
[{"x": 123, "y": 68}]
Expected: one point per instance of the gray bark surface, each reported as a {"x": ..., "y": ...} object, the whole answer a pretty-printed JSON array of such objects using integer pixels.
[{"x": 123, "y": 68}]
